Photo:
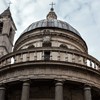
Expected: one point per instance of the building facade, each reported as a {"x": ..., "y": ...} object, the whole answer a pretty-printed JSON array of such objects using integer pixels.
[{"x": 50, "y": 61}]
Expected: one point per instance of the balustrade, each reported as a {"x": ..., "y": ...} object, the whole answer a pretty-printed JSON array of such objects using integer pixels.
[{"x": 55, "y": 55}]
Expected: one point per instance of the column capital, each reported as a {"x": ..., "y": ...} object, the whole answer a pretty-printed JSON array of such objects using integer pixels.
[
  {"x": 60, "y": 80},
  {"x": 2, "y": 86},
  {"x": 87, "y": 87},
  {"x": 25, "y": 80}
]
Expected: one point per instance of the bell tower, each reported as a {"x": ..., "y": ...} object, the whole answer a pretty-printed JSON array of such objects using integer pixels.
[{"x": 7, "y": 32}]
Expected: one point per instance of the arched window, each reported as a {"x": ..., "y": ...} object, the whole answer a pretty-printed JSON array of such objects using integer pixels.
[
  {"x": 31, "y": 46},
  {"x": 1, "y": 27},
  {"x": 64, "y": 46}
]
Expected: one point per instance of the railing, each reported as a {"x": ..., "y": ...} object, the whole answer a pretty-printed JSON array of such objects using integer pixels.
[{"x": 55, "y": 54}]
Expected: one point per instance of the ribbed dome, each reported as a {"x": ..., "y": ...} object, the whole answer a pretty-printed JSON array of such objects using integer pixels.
[{"x": 51, "y": 23}]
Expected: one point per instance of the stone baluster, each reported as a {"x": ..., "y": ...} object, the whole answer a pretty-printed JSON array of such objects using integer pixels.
[
  {"x": 73, "y": 58},
  {"x": 21, "y": 57},
  {"x": 90, "y": 63},
  {"x": 28, "y": 56},
  {"x": 85, "y": 61},
  {"x": 79, "y": 59},
  {"x": 94, "y": 66},
  {"x": 42, "y": 57},
  {"x": 51, "y": 55},
  {"x": 35, "y": 55},
  {"x": 66, "y": 58},
  {"x": 59, "y": 55}
]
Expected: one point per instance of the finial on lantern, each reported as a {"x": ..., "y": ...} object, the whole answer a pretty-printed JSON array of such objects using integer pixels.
[{"x": 52, "y": 4}]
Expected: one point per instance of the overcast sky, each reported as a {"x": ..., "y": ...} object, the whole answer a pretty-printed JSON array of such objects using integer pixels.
[{"x": 83, "y": 15}]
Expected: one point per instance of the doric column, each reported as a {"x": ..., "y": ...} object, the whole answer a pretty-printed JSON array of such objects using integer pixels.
[
  {"x": 2, "y": 93},
  {"x": 25, "y": 90},
  {"x": 87, "y": 92},
  {"x": 59, "y": 90}
]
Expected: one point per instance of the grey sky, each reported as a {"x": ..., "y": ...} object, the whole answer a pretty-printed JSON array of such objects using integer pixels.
[{"x": 83, "y": 15}]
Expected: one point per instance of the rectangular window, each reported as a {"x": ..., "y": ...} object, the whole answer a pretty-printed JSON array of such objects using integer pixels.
[
  {"x": 46, "y": 55},
  {"x": 1, "y": 27}
]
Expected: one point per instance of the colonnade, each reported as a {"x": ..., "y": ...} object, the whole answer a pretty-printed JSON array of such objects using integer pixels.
[{"x": 58, "y": 91}]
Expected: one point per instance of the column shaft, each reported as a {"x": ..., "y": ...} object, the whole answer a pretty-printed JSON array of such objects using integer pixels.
[
  {"x": 87, "y": 93},
  {"x": 25, "y": 91},
  {"x": 59, "y": 91},
  {"x": 2, "y": 93}
]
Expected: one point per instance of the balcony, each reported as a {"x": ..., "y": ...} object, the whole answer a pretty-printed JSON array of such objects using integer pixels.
[{"x": 54, "y": 54}]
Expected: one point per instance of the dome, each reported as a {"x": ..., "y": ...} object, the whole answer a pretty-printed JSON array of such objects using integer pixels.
[
  {"x": 51, "y": 24},
  {"x": 51, "y": 21}
]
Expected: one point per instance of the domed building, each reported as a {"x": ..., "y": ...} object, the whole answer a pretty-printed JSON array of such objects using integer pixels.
[{"x": 50, "y": 61}]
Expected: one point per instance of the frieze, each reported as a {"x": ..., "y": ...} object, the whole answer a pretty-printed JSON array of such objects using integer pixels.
[{"x": 49, "y": 73}]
